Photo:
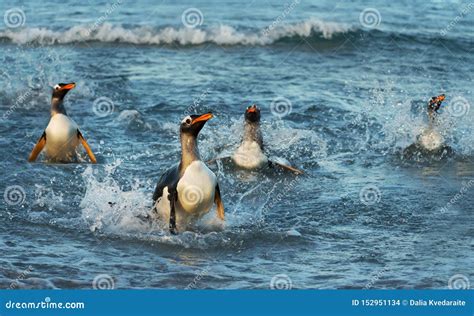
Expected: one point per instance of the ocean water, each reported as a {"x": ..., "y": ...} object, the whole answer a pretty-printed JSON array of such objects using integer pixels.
[{"x": 342, "y": 87}]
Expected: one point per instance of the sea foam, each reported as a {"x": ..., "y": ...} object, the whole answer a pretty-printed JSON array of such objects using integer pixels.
[{"x": 145, "y": 35}]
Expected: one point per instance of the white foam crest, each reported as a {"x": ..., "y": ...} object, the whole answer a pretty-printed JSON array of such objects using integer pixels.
[
  {"x": 305, "y": 28},
  {"x": 221, "y": 34}
]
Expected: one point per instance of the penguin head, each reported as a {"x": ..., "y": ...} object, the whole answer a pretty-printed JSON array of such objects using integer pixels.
[
  {"x": 435, "y": 103},
  {"x": 252, "y": 114},
  {"x": 192, "y": 124},
  {"x": 61, "y": 89}
]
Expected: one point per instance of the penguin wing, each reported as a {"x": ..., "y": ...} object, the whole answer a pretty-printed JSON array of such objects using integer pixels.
[
  {"x": 38, "y": 148},
  {"x": 86, "y": 147},
  {"x": 219, "y": 203},
  {"x": 283, "y": 163},
  {"x": 167, "y": 179},
  {"x": 170, "y": 180}
]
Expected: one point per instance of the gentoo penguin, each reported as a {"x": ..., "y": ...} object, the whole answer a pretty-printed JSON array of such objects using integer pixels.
[
  {"x": 62, "y": 135},
  {"x": 434, "y": 104},
  {"x": 250, "y": 154},
  {"x": 430, "y": 141},
  {"x": 430, "y": 138},
  {"x": 188, "y": 190}
]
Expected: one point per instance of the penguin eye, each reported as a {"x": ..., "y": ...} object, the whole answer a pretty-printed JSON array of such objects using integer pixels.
[
  {"x": 187, "y": 120},
  {"x": 56, "y": 87}
]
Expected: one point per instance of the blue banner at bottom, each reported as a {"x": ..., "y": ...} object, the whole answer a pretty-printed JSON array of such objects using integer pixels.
[{"x": 237, "y": 302}]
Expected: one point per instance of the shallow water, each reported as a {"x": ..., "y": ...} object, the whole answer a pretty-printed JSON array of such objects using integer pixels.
[{"x": 360, "y": 217}]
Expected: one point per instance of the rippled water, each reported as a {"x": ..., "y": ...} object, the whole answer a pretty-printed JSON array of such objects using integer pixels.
[{"x": 353, "y": 96}]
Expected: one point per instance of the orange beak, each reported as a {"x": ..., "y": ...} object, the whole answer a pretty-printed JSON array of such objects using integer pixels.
[
  {"x": 252, "y": 109},
  {"x": 204, "y": 117},
  {"x": 69, "y": 86},
  {"x": 441, "y": 97}
]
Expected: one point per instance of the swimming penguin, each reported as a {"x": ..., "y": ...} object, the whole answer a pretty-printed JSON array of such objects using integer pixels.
[
  {"x": 62, "y": 135},
  {"x": 430, "y": 138},
  {"x": 430, "y": 142},
  {"x": 188, "y": 190},
  {"x": 250, "y": 154},
  {"x": 434, "y": 104}
]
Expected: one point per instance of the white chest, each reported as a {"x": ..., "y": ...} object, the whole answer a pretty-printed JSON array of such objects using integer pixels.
[
  {"x": 196, "y": 188},
  {"x": 431, "y": 139},
  {"x": 61, "y": 135},
  {"x": 249, "y": 155}
]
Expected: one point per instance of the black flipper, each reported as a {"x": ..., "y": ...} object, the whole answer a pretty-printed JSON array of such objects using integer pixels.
[
  {"x": 173, "y": 197},
  {"x": 284, "y": 166},
  {"x": 219, "y": 203},
  {"x": 168, "y": 180}
]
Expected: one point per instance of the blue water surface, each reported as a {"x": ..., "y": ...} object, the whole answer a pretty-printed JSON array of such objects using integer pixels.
[{"x": 342, "y": 87}]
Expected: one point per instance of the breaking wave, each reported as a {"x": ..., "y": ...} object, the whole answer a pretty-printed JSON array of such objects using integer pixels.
[{"x": 145, "y": 35}]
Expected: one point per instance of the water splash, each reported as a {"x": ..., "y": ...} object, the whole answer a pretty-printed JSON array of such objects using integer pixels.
[
  {"x": 107, "y": 207},
  {"x": 392, "y": 120}
]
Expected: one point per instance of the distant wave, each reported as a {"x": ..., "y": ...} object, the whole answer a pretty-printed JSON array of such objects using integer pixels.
[{"x": 220, "y": 35}]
